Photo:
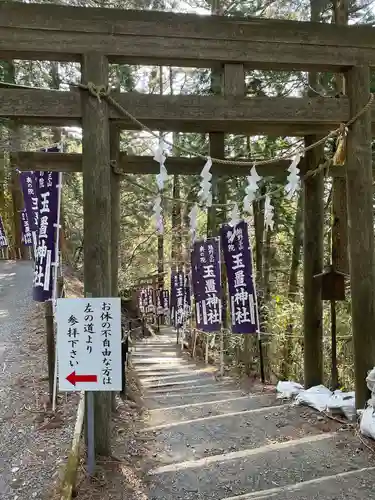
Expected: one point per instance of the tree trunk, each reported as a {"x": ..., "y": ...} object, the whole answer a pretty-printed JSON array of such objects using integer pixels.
[
  {"x": 176, "y": 250},
  {"x": 16, "y": 193},
  {"x": 3, "y": 138},
  {"x": 269, "y": 252},
  {"x": 293, "y": 287},
  {"x": 161, "y": 236},
  {"x": 15, "y": 186},
  {"x": 250, "y": 341}
]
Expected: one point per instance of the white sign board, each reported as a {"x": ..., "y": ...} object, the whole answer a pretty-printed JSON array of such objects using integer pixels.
[{"x": 89, "y": 344}]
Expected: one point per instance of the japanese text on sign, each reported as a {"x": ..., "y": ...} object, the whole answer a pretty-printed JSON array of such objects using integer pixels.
[
  {"x": 179, "y": 298},
  {"x": 30, "y": 196},
  {"x": 89, "y": 344},
  {"x": 237, "y": 255},
  {"x": 166, "y": 304},
  {"x": 207, "y": 284},
  {"x": 27, "y": 238}
]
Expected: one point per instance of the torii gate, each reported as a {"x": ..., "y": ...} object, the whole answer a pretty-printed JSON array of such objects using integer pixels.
[{"x": 96, "y": 37}]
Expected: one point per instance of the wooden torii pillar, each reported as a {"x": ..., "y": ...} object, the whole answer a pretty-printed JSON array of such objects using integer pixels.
[
  {"x": 97, "y": 213},
  {"x": 313, "y": 220},
  {"x": 115, "y": 207},
  {"x": 361, "y": 229}
]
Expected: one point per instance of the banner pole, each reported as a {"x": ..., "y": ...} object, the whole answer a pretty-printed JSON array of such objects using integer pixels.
[
  {"x": 90, "y": 433},
  {"x": 222, "y": 352},
  {"x": 54, "y": 285},
  {"x": 260, "y": 347},
  {"x": 221, "y": 313},
  {"x": 195, "y": 342}
]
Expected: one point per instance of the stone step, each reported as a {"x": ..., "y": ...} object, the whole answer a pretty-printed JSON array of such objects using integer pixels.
[
  {"x": 202, "y": 386},
  {"x": 163, "y": 368},
  {"x": 154, "y": 353},
  {"x": 247, "y": 429},
  {"x": 176, "y": 375},
  {"x": 355, "y": 484},
  {"x": 168, "y": 364},
  {"x": 172, "y": 399},
  {"x": 157, "y": 359},
  {"x": 156, "y": 345},
  {"x": 164, "y": 373},
  {"x": 257, "y": 469},
  {"x": 228, "y": 404},
  {"x": 194, "y": 379}
]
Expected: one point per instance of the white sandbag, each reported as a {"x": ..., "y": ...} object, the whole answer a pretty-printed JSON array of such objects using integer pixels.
[
  {"x": 288, "y": 389},
  {"x": 317, "y": 397},
  {"x": 339, "y": 398},
  {"x": 367, "y": 426},
  {"x": 344, "y": 403},
  {"x": 350, "y": 412},
  {"x": 370, "y": 380}
]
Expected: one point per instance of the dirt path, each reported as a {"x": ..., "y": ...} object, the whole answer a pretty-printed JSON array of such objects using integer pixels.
[
  {"x": 212, "y": 440},
  {"x": 32, "y": 440}
]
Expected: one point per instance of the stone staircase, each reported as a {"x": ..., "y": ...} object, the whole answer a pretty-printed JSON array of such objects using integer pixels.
[{"x": 210, "y": 439}]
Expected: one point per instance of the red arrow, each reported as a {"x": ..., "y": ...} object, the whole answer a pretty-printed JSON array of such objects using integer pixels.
[{"x": 73, "y": 378}]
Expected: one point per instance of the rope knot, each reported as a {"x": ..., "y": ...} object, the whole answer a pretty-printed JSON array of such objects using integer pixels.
[{"x": 98, "y": 91}]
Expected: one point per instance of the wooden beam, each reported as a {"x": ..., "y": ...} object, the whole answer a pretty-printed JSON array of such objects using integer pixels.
[
  {"x": 129, "y": 164},
  {"x": 97, "y": 217},
  {"x": 361, "y": 232},
  {"x": 41, "y": 105},
  {"x": 268, "y": 115},
  {"x": 55, "y": 32}
]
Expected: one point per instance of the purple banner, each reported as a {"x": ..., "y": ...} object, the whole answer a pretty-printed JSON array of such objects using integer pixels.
[
  {"x": 150, "y": 300},
  {"x": 27, "y": 237},
  {"x": 173, "y": 298},
  {"x": 238, "y": 261},
  {"x": 45, "y": 254},
  {"x": 30, "y": 196},
  {"x": 142, "y": 300},
  {"x": 194, "y": 262},
  {"x": 187, "y": 297},
  {"x": 146, "y": 300},
  {"x": 3, "y": 237},
  {"x": 166, "y": 303},
  {"x": 29, "y": 184},
  {"x": 160, "y": 301},
  {"x": 207, "y": 284},
  {"x": 177, "y": 298}
]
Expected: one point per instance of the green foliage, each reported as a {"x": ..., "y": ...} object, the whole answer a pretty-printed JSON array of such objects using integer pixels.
[{"x": 283, "y": 311}]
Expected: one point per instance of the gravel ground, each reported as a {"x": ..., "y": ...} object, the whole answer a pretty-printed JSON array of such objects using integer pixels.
[
  {"x": 33, "y": 441},
  {"x": 120, "y": 477}
]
